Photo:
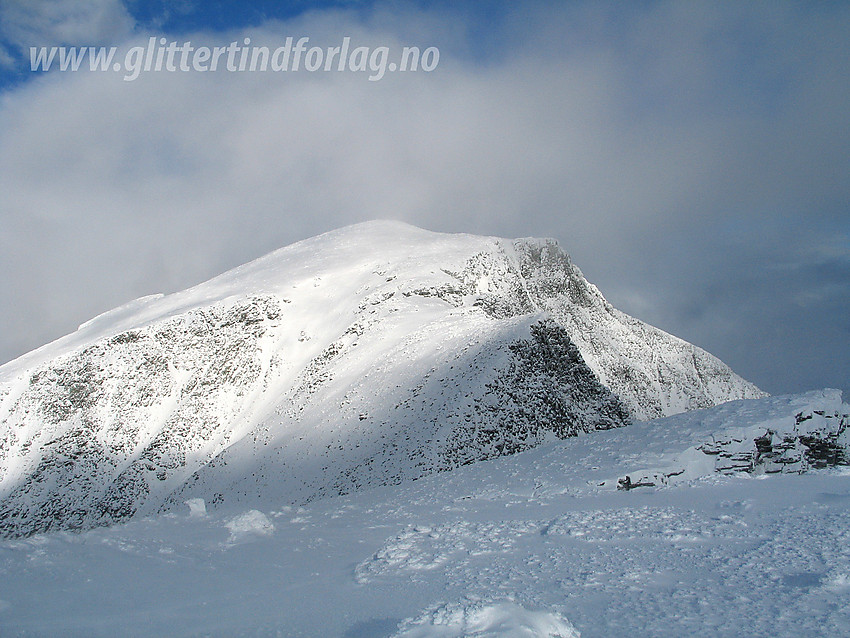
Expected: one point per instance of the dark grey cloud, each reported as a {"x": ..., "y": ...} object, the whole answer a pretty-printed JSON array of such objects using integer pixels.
[{"x": 691, "y": 157}]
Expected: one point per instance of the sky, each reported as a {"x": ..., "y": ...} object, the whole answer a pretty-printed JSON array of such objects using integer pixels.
[{"x": 693, "y": 158}]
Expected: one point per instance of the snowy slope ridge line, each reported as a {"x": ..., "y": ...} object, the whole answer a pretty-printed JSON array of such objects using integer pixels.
[{"x": 369, "y": 355}]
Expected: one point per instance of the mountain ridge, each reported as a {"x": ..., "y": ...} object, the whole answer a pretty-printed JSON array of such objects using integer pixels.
[{"x": 368, "y": 355}]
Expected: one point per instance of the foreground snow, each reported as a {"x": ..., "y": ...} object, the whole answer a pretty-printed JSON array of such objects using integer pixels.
[{"x": 541, "y": 543}]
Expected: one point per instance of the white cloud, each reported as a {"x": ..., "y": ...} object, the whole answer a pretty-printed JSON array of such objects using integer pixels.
[{"x": 26, "y": 23}]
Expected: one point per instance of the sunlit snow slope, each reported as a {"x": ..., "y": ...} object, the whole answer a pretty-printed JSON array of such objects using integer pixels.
[{"x": 369, "y": 355}]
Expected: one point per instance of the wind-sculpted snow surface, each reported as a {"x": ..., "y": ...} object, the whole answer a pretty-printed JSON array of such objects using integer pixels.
[{"x": 365, "y": 356}]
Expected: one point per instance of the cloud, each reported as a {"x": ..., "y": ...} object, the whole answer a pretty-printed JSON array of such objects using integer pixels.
[
  {"x": 7, "y": 61},
  {"x": 26, "y": 23},
  {"x": 691, "y": 157}
]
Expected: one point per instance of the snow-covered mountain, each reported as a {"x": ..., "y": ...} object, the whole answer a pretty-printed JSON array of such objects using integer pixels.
[{"x": 369, "y": 355}]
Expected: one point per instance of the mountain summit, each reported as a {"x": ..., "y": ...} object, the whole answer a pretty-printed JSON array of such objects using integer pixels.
[{"x": 365, "y": 356}]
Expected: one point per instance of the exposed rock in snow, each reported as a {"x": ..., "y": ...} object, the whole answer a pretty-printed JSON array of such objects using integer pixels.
[{"x": 815, "y": 437}]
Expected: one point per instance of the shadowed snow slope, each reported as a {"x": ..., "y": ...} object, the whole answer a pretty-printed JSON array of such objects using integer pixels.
[{"x": 369, "y": 355}]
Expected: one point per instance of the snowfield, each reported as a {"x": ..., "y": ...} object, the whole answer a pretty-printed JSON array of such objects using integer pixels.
[{"x": 546, "y": 542}]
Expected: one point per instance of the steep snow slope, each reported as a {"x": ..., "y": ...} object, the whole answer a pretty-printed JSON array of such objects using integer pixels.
[
  {"x": 364, "y": 356},
  {"x": 540, "y": 543}
]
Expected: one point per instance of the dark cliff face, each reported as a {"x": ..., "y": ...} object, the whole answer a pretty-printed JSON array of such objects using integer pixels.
[{"x": 546, "y": 388}]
